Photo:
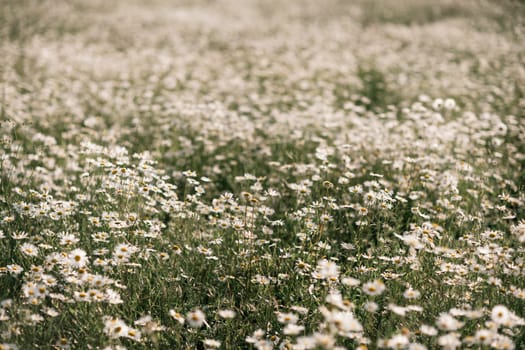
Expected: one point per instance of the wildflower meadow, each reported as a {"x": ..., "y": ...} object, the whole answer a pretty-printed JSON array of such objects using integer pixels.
[{"x": 262, "y": 174}]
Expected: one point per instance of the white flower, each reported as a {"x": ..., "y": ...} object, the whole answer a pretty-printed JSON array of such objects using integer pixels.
[
  {"x": 112, "y": 296},
  {"x": 502, "y": 342},
  {"x": 300, "y": 309},
  {"x": 448, "y": 323},
  {"x": 7, "y": 346},
  {"x": 212, "y": 343},
  {"x": 449, "y": 104},
  {"x": 449, "y": 341},
  {"x": 325, "y": 341},
  {"x": 133, "y": 333},
  {"x": 78, "y": 258},
  {"x": 293, "y": 329},
  {"x": 336, "y": 299},
  {"x": 255, "y": 337},
  {"x": 500, "y": 314},
  {"x": 196, "y": 318},
  {"x": 326, "y": 269},
  {"x": 345, "y": 322},
  {"x": 15, "y": 269},
  {"x": 398, "y": 310},
  {"x": 411, "y": 240},
  {"x": 68, "y": 239},
  {"x": 350, "y": 281},
  {"x": 287, "y": 317},
  {"x": 484, "y": 336},
  {"x": 375, "y": 287},
  {"x": 305, "y": 343},
  {"x": 226, "y": 313},
  {"x": 438, "y": 103},
  {"x": 428, "y": 330},
  {"x": 519, "y": 231},
  {"x": 29, "y": 249},
  {"x": 115, "y": 328},
  {"x": 371, "y": 306},
  {"x": 177, "y": 316},
  {"x": 411, "y": 294},
  {"x": 398, "y": 341}
]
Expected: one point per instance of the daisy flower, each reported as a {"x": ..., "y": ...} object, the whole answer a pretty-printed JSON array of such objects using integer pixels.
[
  {"x": 373, "y": 288},
  {"x": 29, "y": 249},
  {"x": 196, "y": 318}
]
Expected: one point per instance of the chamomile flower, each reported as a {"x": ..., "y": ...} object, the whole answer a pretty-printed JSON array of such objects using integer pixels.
[
  {"x": 326, "y": 269},
  {"x": 484, "y": 336},
  {"x": 500, "y": 314},
  {"x": 29, "y": 249},
  {"x": 447, "y": 322},
  {"x": 287, "y": 317},
  {"x": 398, "y": 341},
  {"x": 115, "y": 328},
  {"x": 449, "y": 341},
  {"x": 78, "y": 258},
  {"x": 226, "y": 313},
  {"x": 211, "y": 343},
  {"x": 177, "y": 316},
  {"x": 428, "y": 330},
  {"x": 411, "y": 294},
  {"x": 15, "y": 269},
  {"x": 374, "y": 288},
  {"x": 196, "y": 318},
  {"x": 350, "y": 282},
  {"x": 292, "y": 329}
]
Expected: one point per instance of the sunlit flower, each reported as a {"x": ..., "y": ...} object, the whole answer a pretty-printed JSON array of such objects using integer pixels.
[
  {"x": 212, "y": 343},
  {"x": 373, "y": 288},
  {"x": 500, "y": 314},
  {"x": 292, "y": 329},
  {"x": 196, "y": 318},
  {"x": 428, "y": 330},
  {"x": 115, "y": 328},
  {"x": 326, "y": 269},
  {"x": 449, "y": 341},
  {"x": 29, "y": 249},
  {"x": 226, "y": 313},
  {"x": 287, "y": 317},
  {"x": 177, "y": 316},
  {"x": 78, "y": 258},
  {"x": 15, "y": 269},
  {"x": 484, "y": 336},
  {"x": 448, "y": 323},
  {"x": 398, "y": 341},
  {"x": 371, "y": 306},
  {"x": 411, "y": 294},
  {"x": 350, "y": 281}
]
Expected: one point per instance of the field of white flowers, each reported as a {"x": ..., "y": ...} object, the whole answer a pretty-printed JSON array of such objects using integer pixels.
[{"x": 262, "y": 174}]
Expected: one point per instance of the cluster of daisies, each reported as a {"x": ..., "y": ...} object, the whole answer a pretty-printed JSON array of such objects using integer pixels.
[{"x": 260, "y": 174}]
